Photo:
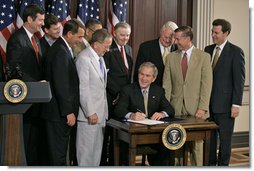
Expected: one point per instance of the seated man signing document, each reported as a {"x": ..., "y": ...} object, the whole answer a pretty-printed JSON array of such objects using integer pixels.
[{"x": 146, "y": 100}]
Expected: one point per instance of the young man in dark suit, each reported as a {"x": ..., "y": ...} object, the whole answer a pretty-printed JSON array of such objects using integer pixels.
[
  {"x": 156, "y": 50},
  {"x": 131, "y": 105},
  {"x": 24, "y": 51},
  {"x": 51, "y": 29},
  {"x": 227, "y": 91},
  {"x": 60, "y": 113}
]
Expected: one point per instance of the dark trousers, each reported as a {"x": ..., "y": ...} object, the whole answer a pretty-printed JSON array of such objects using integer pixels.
[
  {"x": 72, "y": 147},
  {"x": 107, "y": 156},
  {"x": 58, "y": 134},
  {"x": 224, "y": 133},
  {"x": 31, "y": 140},
  {"x": 31, "y": 126}
]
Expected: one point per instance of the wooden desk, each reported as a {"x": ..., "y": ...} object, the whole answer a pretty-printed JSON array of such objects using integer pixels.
[{"x": 137, "y": 134}]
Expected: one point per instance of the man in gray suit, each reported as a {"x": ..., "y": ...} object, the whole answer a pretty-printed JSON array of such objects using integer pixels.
[{"x": 93, "y": 110}]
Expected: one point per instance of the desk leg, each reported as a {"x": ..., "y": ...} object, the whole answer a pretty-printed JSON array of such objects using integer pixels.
[
  {"x": 206, "y": 147},
  {"x": 116, "y": 148},
  {"x": 132, "y": 156}
]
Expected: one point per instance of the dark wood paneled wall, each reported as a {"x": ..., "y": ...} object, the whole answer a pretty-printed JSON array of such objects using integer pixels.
[{"x": 147, "y": 16}]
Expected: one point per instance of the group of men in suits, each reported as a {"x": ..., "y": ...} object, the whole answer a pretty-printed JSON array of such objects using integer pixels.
[{"x": 91, "y": 88}]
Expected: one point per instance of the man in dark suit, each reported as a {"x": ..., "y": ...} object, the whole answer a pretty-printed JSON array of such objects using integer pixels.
[
  {"x": 131, "y": 105},
  {"x": 227, "y": 90},
  {"x": 119, "y": 65},
  {"x": 23, "y": 50},
  {"x": 51, "y": 29},
  {"x": 60, "y": 113},
  {"x": 155, "y": 51}
]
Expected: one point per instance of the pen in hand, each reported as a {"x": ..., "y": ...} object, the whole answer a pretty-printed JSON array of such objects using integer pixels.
[{"x": 142, "y": 113}]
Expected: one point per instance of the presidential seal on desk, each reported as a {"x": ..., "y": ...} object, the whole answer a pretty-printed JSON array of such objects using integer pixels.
[
  {"x": 174, "y": 136},
  {"x": 15, "y": 91}
]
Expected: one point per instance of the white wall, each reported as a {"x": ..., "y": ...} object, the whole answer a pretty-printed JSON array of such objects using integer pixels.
[{"x": 237, "y": 13}]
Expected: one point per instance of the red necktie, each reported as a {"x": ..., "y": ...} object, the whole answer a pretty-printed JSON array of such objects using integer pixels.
[
  {"x": 36, "y": 48},
  {"x": 122, "y": 54},
  {"x": 184, "y": 65}
]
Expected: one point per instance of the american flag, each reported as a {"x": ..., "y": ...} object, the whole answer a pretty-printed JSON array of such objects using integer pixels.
[
  {"x": 7, "y": 24},
  {"x": 88, "y": 9},
  {"x": 116, "y": 14},
  {"x": 60, "y": 8}
]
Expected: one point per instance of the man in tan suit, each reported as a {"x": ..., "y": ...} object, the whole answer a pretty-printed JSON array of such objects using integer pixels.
[{"x": 188, "y": 82}]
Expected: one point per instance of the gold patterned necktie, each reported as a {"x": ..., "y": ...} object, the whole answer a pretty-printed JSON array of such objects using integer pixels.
[
  {"x": 216, "y": 57},
  {"x": 165, "y": 54},
  {"x": 145, "y": 94},
  {"x": 184, "y": 65}
]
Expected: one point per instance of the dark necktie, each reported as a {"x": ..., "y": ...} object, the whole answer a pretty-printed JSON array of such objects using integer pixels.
[
  {"x": 184, "y": 65},
  {"x": 216, "y": 57},
  {"x": 36, "y": 48}
]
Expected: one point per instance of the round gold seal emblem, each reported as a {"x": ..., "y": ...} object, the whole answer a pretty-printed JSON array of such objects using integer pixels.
[
  {"x": 174, "y": 136},
  {"x": 15, "y": 91}
]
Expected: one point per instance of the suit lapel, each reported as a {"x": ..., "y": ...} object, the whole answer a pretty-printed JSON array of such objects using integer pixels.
[
  {"x": 222, "y": 57},
  {"x": 192, "y": 63},
  {"x": 178, "y": 65},
  {"x": 139, "y": 98},
  {"x": 151, "y": 100},
  {"x": 97, "y": 67},
  {"x": 118, "y": 56}
]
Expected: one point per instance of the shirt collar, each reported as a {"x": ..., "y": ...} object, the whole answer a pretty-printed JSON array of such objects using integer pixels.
[
  {"x": 28, "y": 33},
  {"x": 70, "y": 49}
]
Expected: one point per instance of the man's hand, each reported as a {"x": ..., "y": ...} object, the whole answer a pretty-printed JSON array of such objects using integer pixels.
[
  {"x": 93, "y": 119},
  {"x": 200, "y": 113},
  {"x": 234, "y": 111},
  {"x": 71, "y": 119},
  {"x": 137, "y": 116},
  {"x": 158, "y": 116}
]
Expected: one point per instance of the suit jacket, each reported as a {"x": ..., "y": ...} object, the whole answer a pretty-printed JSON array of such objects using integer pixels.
[
  {"x": 195, "y": 91},
  {"x": 20, "y": 52},
  {"x": 117, "y": 75},
  {"x": 228, "y": 78},
  {"x": 131, "y": 100},
  {"x": 92, "y": 87},
  {"x": 44, "y": 45},
  {"x": 2, "y": 77},
  {"x": 149, "y": 51},
  {"x": 64, "y": 82}
]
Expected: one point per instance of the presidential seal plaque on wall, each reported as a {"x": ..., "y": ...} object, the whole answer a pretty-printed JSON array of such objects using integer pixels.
[
  {"x": 174, "y": 136},
  {"x": 15, "y": 91}
]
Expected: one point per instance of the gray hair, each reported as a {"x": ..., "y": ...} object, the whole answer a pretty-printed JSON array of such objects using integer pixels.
[
  {"x": 149, "y": 65},
  {"x": 171, "y": 25},
  {"x": 100, "y": 36},
  {"x": 122, "y": 25}
]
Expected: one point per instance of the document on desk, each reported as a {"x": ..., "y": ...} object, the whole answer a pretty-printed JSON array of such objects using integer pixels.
[{"x": 147, "y": 122}]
